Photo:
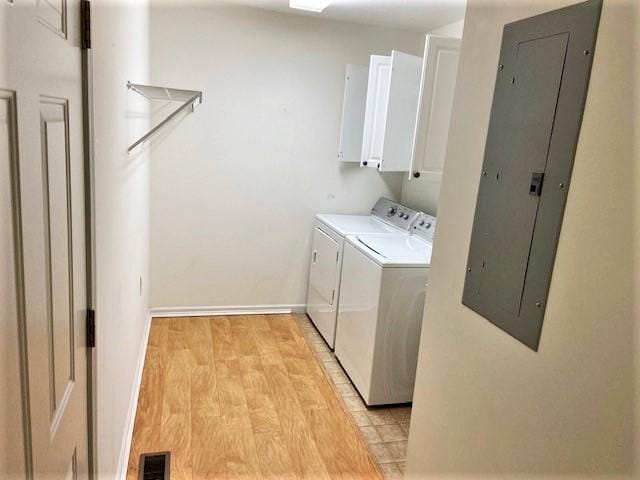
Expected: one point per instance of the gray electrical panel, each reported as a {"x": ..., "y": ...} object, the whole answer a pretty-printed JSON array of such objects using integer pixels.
[{"x": 541, "y": 88}]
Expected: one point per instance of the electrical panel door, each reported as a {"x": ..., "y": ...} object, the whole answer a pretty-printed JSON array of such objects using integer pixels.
[{"x": 541, "y": 87}]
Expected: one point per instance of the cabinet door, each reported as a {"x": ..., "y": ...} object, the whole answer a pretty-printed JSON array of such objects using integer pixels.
[
  {"x": 353, "y": 107},
  {"x": 400, "y": 121},
  {"x": 324, "y": 266},
  {"x": 375, "y": 118},
  {"x": 439, "y": 72}
]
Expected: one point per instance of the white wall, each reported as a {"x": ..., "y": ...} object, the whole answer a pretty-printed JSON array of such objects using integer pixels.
[
  {"x": 423, "y": 193},
  {"x": 454, "y": 29},
  {"x": 485, "y": 406},
  {"x": 120, "y": 53},
  {"x": 234, "y": 187}
]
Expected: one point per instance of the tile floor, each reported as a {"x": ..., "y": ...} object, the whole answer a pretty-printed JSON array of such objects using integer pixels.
[{"x": 385, "y": 429}]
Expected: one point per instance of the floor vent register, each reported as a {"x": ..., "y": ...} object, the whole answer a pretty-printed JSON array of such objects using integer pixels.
[{"x": 154, "y": 466}]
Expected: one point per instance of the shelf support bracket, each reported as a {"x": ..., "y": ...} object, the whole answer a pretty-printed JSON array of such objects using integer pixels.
[{"x": 189, "y": 99}]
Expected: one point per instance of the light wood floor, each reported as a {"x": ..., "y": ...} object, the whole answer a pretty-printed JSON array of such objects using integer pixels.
[{"x": 243, "y": 397}]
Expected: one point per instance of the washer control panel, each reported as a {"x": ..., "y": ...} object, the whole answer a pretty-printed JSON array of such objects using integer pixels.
[
  {"x": 424, "y": 226},
  {"x": 394, "y": 214}
]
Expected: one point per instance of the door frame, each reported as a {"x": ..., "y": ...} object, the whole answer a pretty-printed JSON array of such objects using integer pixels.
[{"x": 89, "y": 201}]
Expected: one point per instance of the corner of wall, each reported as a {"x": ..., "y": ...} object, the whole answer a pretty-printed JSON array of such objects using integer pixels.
[{"x": 120, "y": 54}]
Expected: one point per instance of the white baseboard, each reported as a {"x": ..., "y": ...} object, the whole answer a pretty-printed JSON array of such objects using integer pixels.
[
  {"x": 133, "y": 404},
  {"x": 226, "y": 310}
]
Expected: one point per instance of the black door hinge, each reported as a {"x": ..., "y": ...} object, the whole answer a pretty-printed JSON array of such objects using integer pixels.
[
  {"x": 85, "y": 23},
  {"x": 91, "y": 328}
]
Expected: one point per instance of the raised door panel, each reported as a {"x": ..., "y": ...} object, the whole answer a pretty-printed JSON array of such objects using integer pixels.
[
  {"x": 353, "y": 108},
  {"x": 53, "y": 14},
  {"x": 439, "y": 72},
  {"x": 59, "y": 251},
  {"x": 400, "y": 120},
  {"x": 375, "y": 118}
]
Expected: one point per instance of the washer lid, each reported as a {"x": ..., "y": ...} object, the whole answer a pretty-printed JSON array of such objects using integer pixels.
[
  {"x": 352, "y": 224},
  {"x": 394, "y": 250}
]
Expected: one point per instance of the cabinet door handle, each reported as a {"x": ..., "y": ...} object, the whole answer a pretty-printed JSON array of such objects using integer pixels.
[{"x": 315, "y": 256}]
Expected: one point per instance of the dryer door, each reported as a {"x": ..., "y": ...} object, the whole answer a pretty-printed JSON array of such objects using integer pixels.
[
  {"x": 323, "y": 284},
  {"x": 325, "y": 256}
]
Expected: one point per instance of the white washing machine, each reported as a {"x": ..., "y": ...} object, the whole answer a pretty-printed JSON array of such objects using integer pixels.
[
  {"x": 329, "y": 232},
  {"x": 380, "y": 311}
]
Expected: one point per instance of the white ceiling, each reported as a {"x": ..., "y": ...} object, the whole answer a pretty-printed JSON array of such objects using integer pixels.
[{"x": 422, "y": 15}]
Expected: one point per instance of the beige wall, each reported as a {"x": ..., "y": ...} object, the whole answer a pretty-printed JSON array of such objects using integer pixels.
[
  {"x": 423, "y": 193},
  {"x": 120, "y": 53},
  {"x": 486, "y": 406},
  {"x": 234, "y": 186}
]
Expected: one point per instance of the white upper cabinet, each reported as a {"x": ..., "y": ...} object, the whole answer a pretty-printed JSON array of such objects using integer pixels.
[
  {"x": 375, "y": 116},
  {"x": 355, "y": 97},
  {"x": 393, "y": 93},
  {"x": 440, "y": 68}
]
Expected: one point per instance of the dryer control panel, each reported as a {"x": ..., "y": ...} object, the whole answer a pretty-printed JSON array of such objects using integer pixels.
[{"x": 394, "y": 214}]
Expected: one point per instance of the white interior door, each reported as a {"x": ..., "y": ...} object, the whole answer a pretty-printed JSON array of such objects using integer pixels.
[
  {"x": 439, "y": 73},
  {"x": 44, "y": 76}
]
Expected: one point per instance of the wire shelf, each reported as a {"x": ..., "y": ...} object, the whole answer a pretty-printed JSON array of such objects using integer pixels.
[{"x": 187, "y": 98}]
